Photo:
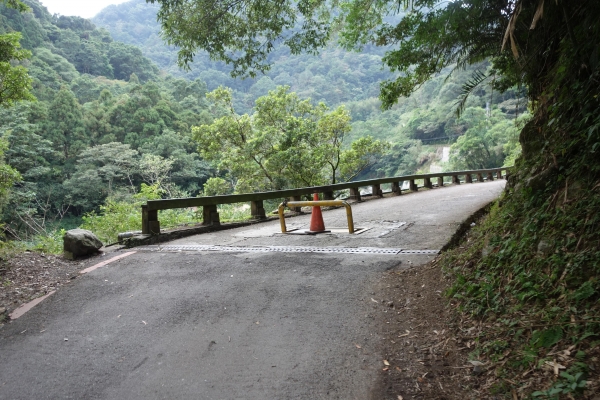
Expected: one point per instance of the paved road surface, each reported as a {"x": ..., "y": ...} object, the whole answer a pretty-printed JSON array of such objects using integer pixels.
[{"x": 231, "y": 324}]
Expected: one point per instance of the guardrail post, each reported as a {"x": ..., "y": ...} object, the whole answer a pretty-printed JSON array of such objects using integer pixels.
[
  {"x": 440, "y": 181},
  {"x": 210, "y": 215},
  {"x": 145, "y": 230},
  {"x": 455, "y": 180},
  {"x": 498, "y": 174},
  {"x": 150, "y": 223},
  {"x": 479, "y": 177},
  {"x": 468, "y": 178},
  {"x": 413, "y": 185},
  {"x": 355, "y": 194},
  {"x": 257, "y": 209},
  {"x": 376, "y": 190},
  {"x": 490, "y": 176},
  {"x": 427, "y": 183},
  {"x": 153, "y": 222},
  {"x": 397, "y": 188},
  {"x": 328, "y": 196}
]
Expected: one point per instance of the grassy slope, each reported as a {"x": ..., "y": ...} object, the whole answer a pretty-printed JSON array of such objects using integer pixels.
[{"x": 530, "y": 273}]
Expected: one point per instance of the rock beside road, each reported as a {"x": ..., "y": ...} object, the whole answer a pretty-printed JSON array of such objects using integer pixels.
[{"x": 79, "y": 243}]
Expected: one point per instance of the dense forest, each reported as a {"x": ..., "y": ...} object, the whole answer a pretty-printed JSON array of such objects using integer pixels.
[
  {"x": 105, "y": 121},
  {"x": 113, "y": 122},
  {"x": 334, "y": 76}
]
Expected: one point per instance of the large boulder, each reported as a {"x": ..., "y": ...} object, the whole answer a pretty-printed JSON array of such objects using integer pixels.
[{"x": 80, "y": 242}]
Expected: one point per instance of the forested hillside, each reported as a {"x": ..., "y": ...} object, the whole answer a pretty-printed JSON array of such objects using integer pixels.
[
  {"x": 111, "y": 126},
  {"x": 105, "y": 122},
  {"x": 336, "y": 76}
]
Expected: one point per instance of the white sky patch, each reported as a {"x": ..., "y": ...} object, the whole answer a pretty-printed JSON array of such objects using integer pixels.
[{"x": 81, "y": 8}]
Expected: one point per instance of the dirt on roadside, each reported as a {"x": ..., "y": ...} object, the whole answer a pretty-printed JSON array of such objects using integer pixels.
[
  {"x": 432, "y": 352},
  {"x": 425, "y": 351},
  {"x": 29, "y": 275}
]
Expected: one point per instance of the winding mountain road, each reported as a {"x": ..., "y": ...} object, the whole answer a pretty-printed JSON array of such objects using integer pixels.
[{"x": 247, "y": 313}]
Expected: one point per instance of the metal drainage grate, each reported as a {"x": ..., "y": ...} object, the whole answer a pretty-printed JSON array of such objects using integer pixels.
[
  {"x": 286, "y": 249},
  {"x": 420, "y": 252}
]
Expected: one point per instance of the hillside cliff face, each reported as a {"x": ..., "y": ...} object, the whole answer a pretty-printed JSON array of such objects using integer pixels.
[{"x": 532, "y": 270}]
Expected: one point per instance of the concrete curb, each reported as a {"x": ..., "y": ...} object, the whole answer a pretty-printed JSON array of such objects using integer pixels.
[
  {"x": 23, "y": 308},
  {"x": 465, "y": 226},
  {"x": 144, "y": 240}
]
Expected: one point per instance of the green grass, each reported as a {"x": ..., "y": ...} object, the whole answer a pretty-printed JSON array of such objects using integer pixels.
[{"x": 534, "y": 299}]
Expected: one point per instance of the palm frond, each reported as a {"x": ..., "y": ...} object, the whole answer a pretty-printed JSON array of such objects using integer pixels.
[
  {"x": 469, "y": 55},
  {"x": 467, "y": 88}
]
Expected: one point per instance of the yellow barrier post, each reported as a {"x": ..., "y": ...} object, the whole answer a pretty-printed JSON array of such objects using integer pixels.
[{"x": 322, "y": 203}]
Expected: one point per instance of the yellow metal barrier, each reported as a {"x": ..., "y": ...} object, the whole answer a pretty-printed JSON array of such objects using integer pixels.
[{"x": 323, "y": 203}]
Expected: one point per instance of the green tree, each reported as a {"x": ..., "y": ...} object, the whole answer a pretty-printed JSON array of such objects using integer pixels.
[
  {"x": 216, "y": 187},
  {"x": 65, "y": 126},
  {"x": 188, "y": 170},
  {"x": 97, "y": 123},
  {"x": 39, "y": 195},
  {"x": 102, "y": 171},
  {"x": 363, "y": 154},
  {"x": 156, "y": 170},
  {"x": 483, "y": 144},
  {"x": 50, "y": 70},
  {"x": 345, "y": 164},
  {"x": 287, "y": 142},
  {"x": 8, "y": 175},
  {"x": 227, "y": 141},
  {"x": 127, "y": 60},
  {"x": 91, "y": 59},
  {"x": 68, "y": 44},
  {"x": 85, "y": 88},
  {"x": 28, "y": 152},
  {"x": 15, "y": 83},
  {"x": 242, "y": 33}
]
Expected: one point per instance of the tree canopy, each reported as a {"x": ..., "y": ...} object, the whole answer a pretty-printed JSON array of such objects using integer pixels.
[
  {"x": 15, "y": 83},
  {"x": 288, "y": 142},
  {"x": 243, "y": 32},
  {"x": 421, "y": 36}
]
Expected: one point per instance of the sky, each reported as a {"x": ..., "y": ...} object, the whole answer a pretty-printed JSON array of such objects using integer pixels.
[{"x": 81, "y": 8}]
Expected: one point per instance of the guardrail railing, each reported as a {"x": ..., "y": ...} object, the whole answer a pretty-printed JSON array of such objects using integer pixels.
[{"x": 151, "y": 225}]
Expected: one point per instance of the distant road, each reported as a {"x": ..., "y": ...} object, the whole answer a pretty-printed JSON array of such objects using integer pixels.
[{"x": 236, "y": 324}]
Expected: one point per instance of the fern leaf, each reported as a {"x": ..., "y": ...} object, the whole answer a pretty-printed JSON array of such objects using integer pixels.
[{"x": 467, "y": 88}]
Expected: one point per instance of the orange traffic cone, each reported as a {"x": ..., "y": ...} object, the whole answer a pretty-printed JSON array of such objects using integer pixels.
[{"x": 316, "y": 218}]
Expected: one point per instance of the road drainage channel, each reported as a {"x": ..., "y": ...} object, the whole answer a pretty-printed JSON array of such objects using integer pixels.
[{"x": 286, "y": 249}]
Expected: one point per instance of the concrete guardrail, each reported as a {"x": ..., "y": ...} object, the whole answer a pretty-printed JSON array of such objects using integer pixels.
[{"x": 151, "y": 225}]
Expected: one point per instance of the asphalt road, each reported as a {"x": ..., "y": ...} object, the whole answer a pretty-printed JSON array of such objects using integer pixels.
[{"x": 240, "y": 324}]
